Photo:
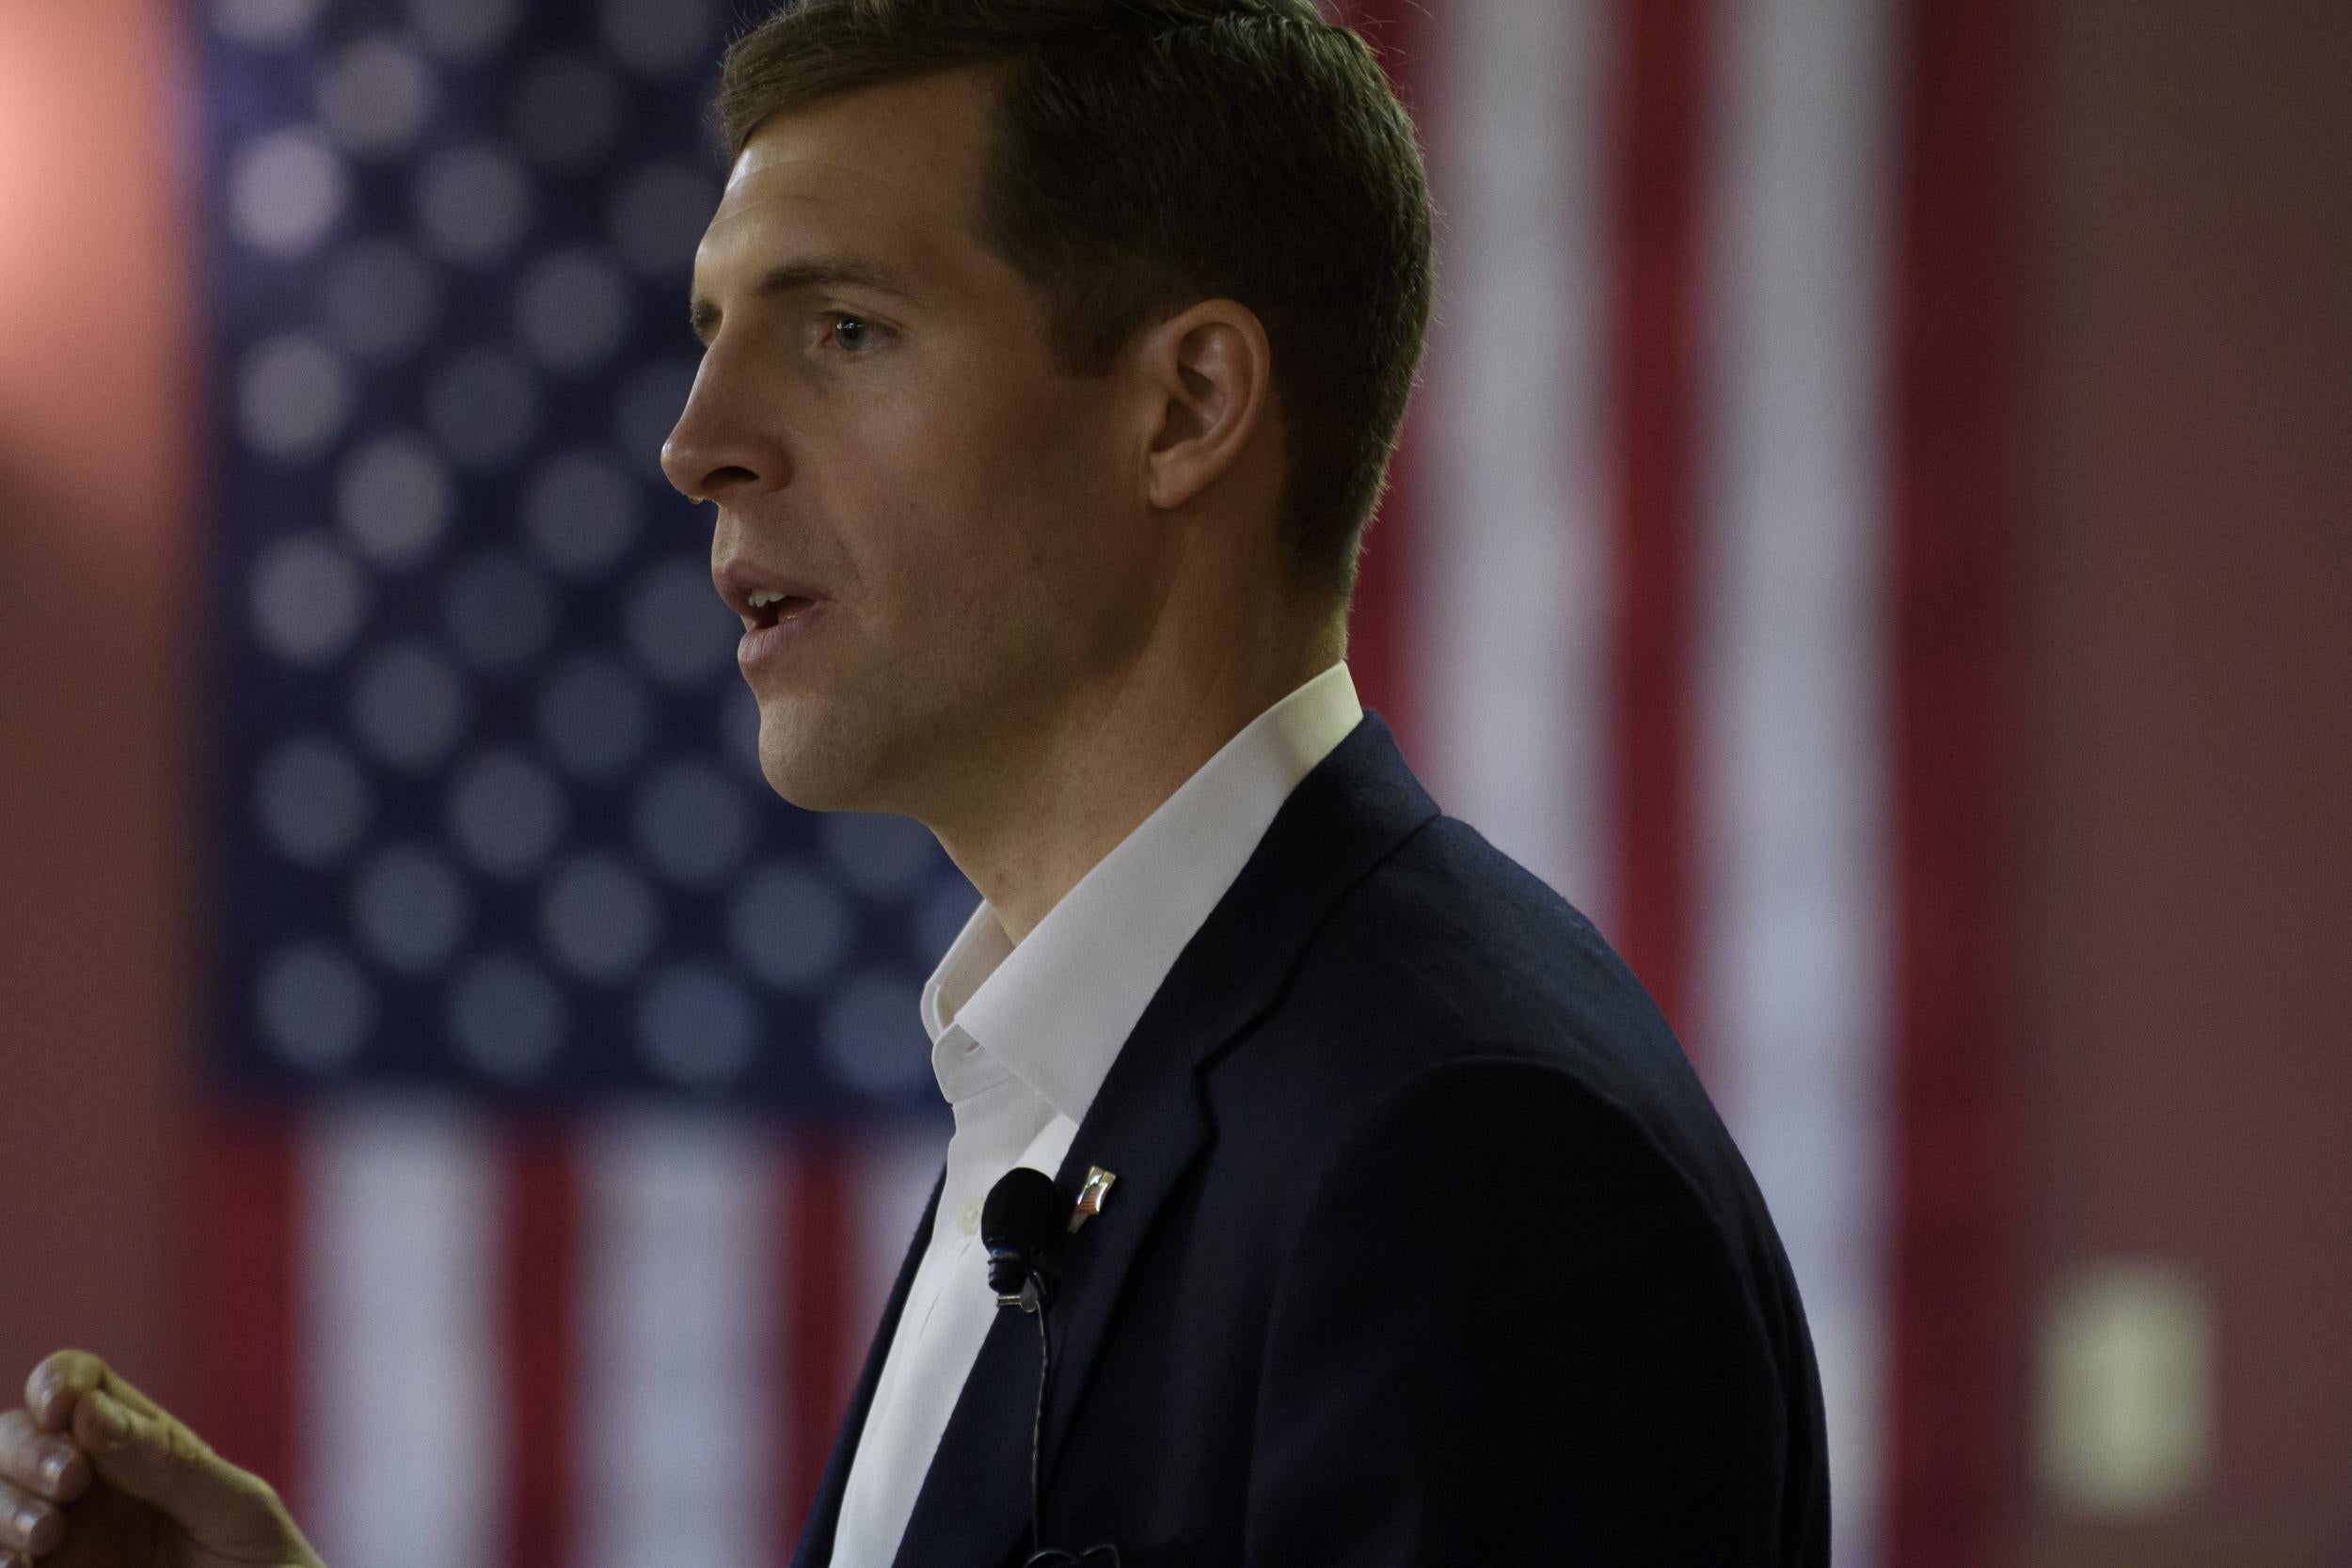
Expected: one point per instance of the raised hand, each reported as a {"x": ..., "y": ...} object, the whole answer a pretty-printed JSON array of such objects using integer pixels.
[{"x": 94, "y": 1474}]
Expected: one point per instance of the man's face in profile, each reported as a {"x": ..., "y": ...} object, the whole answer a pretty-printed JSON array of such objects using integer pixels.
[{"x": 878, "y": 422}]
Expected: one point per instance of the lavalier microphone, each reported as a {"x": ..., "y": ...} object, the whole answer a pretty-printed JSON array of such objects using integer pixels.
[
  {"x": 1020, "y": 1221},
  {"x": 1024, "y": 1212}
]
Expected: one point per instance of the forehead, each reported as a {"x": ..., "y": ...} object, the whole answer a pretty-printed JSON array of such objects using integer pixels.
[{"x": 891, "y": 168}]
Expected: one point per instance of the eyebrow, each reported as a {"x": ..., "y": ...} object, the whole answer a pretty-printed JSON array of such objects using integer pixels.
[{"x": 815, "y": 272}]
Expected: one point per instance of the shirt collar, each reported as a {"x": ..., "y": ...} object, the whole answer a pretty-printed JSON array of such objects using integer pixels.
[{"x": 1056, "y": 1009}]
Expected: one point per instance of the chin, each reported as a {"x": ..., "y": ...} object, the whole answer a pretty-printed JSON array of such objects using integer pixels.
[
  {"x": 801, "y": 781},
  {"x": 816, "y": 767}
]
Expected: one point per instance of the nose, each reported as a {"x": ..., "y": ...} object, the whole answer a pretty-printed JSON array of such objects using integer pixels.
[{"x": 717, "y": 448}]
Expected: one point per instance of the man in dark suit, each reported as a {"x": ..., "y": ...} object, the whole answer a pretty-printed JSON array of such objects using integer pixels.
[
  {"x": 1054, "y": 350},
  {"x": 1425, "y": 1248}
]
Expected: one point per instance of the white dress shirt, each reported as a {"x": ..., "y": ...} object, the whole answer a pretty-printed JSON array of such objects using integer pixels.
[{"x": 1022, "y": 1037}]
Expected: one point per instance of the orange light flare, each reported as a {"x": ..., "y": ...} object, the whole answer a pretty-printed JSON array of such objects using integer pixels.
[{"x": 96, "y": 145}]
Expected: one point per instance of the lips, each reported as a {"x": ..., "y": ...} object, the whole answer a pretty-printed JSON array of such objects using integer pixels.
[
  {"x": 762, "y": 596},
  {"x": 766, "y": 611},
  {"x": 791, "y": 625}
]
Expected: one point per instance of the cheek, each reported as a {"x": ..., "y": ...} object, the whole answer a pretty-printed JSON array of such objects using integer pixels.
[
  {"x": 982, "y": 517},
  {"x": 985, "y": 511}
]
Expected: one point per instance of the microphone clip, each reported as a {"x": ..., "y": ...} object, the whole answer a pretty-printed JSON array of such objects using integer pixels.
[{"x": 1034, "y": 1293}]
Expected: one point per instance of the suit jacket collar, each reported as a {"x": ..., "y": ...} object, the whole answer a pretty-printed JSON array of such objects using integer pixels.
[
  {"x": 1148, "y": 1125},
  {"x": 1055, "y": 1009}
]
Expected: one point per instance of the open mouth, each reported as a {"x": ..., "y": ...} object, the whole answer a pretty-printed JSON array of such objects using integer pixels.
[{"x": 768, "y": 611}]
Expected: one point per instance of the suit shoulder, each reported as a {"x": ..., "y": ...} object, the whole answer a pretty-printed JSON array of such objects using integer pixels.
[
  {"x": 1451, "y": 952},
  {"x": 1451, "y": 946}
]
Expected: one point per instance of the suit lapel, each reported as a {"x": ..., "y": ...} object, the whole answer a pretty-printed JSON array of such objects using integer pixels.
[
  {"x": 824, "y": 1513},
  {"x": 1148, "y": 1125}
]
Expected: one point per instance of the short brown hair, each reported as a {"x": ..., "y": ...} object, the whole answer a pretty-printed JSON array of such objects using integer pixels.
[{"x": 1149, "y": 153}]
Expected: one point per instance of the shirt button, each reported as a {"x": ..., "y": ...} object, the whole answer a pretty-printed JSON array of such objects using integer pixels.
[{"x": 970, "y": 1217}]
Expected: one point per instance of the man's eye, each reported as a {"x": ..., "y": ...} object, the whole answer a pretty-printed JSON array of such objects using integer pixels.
[{"x": 850, "y": 331}]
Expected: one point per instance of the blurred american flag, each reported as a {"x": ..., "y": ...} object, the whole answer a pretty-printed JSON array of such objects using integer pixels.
[
  {"x": 572, "y": 1109},
  {"x": 579, "y": 1096}
]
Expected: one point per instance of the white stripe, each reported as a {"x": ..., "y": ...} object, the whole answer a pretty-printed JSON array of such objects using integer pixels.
[
  {"x": 680, "y": 1318},
  {"x": 1511, "y": 514},
  {"x": 402, "y": 1407},
  {"x": 1792, "y": 777}
]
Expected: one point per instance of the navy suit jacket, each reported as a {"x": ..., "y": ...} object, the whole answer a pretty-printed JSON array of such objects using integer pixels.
[{"x": 1426, "y": 1248}]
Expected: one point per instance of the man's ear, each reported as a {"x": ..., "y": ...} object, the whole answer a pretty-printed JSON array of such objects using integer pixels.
[{"x": 1209, "y": 375}]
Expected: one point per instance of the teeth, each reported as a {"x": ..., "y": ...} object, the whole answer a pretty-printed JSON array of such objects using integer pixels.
[{"x": 763, "y": 597}]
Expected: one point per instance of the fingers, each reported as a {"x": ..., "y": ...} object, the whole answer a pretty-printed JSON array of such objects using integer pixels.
[
  {"x": 232, "y": 1514},
  {"x": 93, "y": 1424},
  {"x": 28, "y": 1524},
  {"x": 157, "y": 1459},
  {"x": 147, "y": 1457},
  {"x": 64, "y": 1376},
  {"x": 48, "y": 1466}
]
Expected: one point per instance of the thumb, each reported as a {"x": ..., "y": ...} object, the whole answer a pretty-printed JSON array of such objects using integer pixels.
[{"x": 157, "y": 1460}]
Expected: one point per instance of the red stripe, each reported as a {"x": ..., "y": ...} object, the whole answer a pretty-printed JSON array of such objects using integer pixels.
[
  {"x": 537, "y": 1301},
  {"x": 1957, "y": 1384},
  {"x": 1656, "y": 140},
  {"x": 1382, "y": 629},
  {"x": 245, "y": 1299},
  {"x": 817, "y": 1282}
]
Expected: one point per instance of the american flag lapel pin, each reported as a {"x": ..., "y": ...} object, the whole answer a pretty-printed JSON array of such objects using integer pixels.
[{"x": 1090, "y": 1196}]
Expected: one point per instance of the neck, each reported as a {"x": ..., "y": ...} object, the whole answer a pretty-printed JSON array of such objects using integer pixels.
[{"x": 1120, "y": 747}]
